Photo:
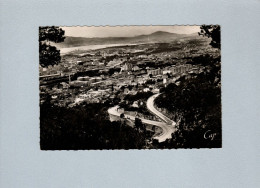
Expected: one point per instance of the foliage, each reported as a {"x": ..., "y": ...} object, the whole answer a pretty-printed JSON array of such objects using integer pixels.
[
  {"x": 139, "y": 125},
  {"x": 138, "y": 96},
  {"x": 49, "y": 55},
  {"x": 113, "y": 70},
  {"x": 213, "y": 64},
  {"x": 84, "y": 127},
  {"x": 213, "y": 32},
  {"x": 54, "y": 34},
  {"x": 150, "y": 82},
  {"x": 196, "y": 103},
  {"x": 122, "y": 115}
]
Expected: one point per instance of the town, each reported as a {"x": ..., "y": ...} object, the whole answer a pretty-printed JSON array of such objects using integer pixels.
[{"x": 109, "y": 73}]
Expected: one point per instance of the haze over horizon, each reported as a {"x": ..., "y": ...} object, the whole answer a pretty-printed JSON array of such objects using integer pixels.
[{"x": 125, "y": 31}]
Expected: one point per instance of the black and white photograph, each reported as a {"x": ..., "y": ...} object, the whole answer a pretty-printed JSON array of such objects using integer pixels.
[{"x": 130, "y": 87}]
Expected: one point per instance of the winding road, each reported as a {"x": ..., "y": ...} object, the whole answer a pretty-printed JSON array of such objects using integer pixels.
[
  {"x": 168, "y": 126},
  {"x": 150, "y": 106}
]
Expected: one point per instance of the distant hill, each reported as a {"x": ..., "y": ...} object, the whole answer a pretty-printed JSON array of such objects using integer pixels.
[{"x": 159, "y": 36}]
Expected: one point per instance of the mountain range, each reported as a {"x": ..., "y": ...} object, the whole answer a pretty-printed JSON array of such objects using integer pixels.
[{"x": 159, "y": 36}]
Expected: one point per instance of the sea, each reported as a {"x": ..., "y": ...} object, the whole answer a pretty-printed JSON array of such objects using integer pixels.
[{"x": 90, "y": 47}]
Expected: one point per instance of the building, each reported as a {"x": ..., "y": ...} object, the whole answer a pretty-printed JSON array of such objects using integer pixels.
[
  {"x": 127, "y": 67},
  {"x": 114, "y": 63},
  {"x": 97, "y": 84},
  {"x": 167, "y": 72},
  {"x": 155, "y": 72},
  {"x": 86, "y": 78},
  {"x": 95, "y": 79},
  {"x": 179, "y": 69},
  {"x": 136, "y": 68},
  {"x": 78, "y": 83}
]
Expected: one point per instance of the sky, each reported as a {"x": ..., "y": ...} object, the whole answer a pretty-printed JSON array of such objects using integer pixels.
[{"x": 125, "y": 31}]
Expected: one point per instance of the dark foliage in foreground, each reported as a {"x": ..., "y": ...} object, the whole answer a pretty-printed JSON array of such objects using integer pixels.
[
  {"x": 85, "y": 127},
  {"x": 213, "y": 32},
  {"x": 49, "y": 55},
  {"x": 196, "y": 105}
]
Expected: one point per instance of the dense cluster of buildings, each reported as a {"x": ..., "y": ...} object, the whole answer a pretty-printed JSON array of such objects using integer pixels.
[{"x": 136, "y": 71}]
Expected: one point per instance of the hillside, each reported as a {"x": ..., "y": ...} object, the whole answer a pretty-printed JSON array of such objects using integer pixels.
[{"x": 159, "y": 36}]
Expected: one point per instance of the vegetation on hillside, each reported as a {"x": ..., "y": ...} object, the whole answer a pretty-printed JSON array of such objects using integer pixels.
[
  {"x": 85, "y": 127},
  {"x": 213, "y": 32},
  {"x": 196, "y": 105}
]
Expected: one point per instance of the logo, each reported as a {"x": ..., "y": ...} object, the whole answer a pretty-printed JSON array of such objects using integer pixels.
[{"x": 209, "y": 135}]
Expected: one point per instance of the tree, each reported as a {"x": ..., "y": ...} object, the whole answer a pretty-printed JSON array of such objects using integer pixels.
[
  {"x": 123, "y": 105},
  {"x": 213, "y": 32},
  {"x": 170, "y": 88},
  {"x": 155, "y": 142},
  {"x": 130, "y": 87},
  {"x": 84, "y": 127},
  {"x": 49, "y": 55},
  {"x": 139, "y": 124},
  {"x": 122, "y": 116},
  {"x": 112, "y": 87},
  {"x": 122, "y": 88}
]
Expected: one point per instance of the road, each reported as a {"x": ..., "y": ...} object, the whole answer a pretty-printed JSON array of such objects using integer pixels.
[
  {"x": 150, "y": 106},
  {"x": 167, "y": 127}
]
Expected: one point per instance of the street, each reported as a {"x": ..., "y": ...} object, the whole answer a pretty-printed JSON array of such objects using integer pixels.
[{"x": 167, "y": 127}]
